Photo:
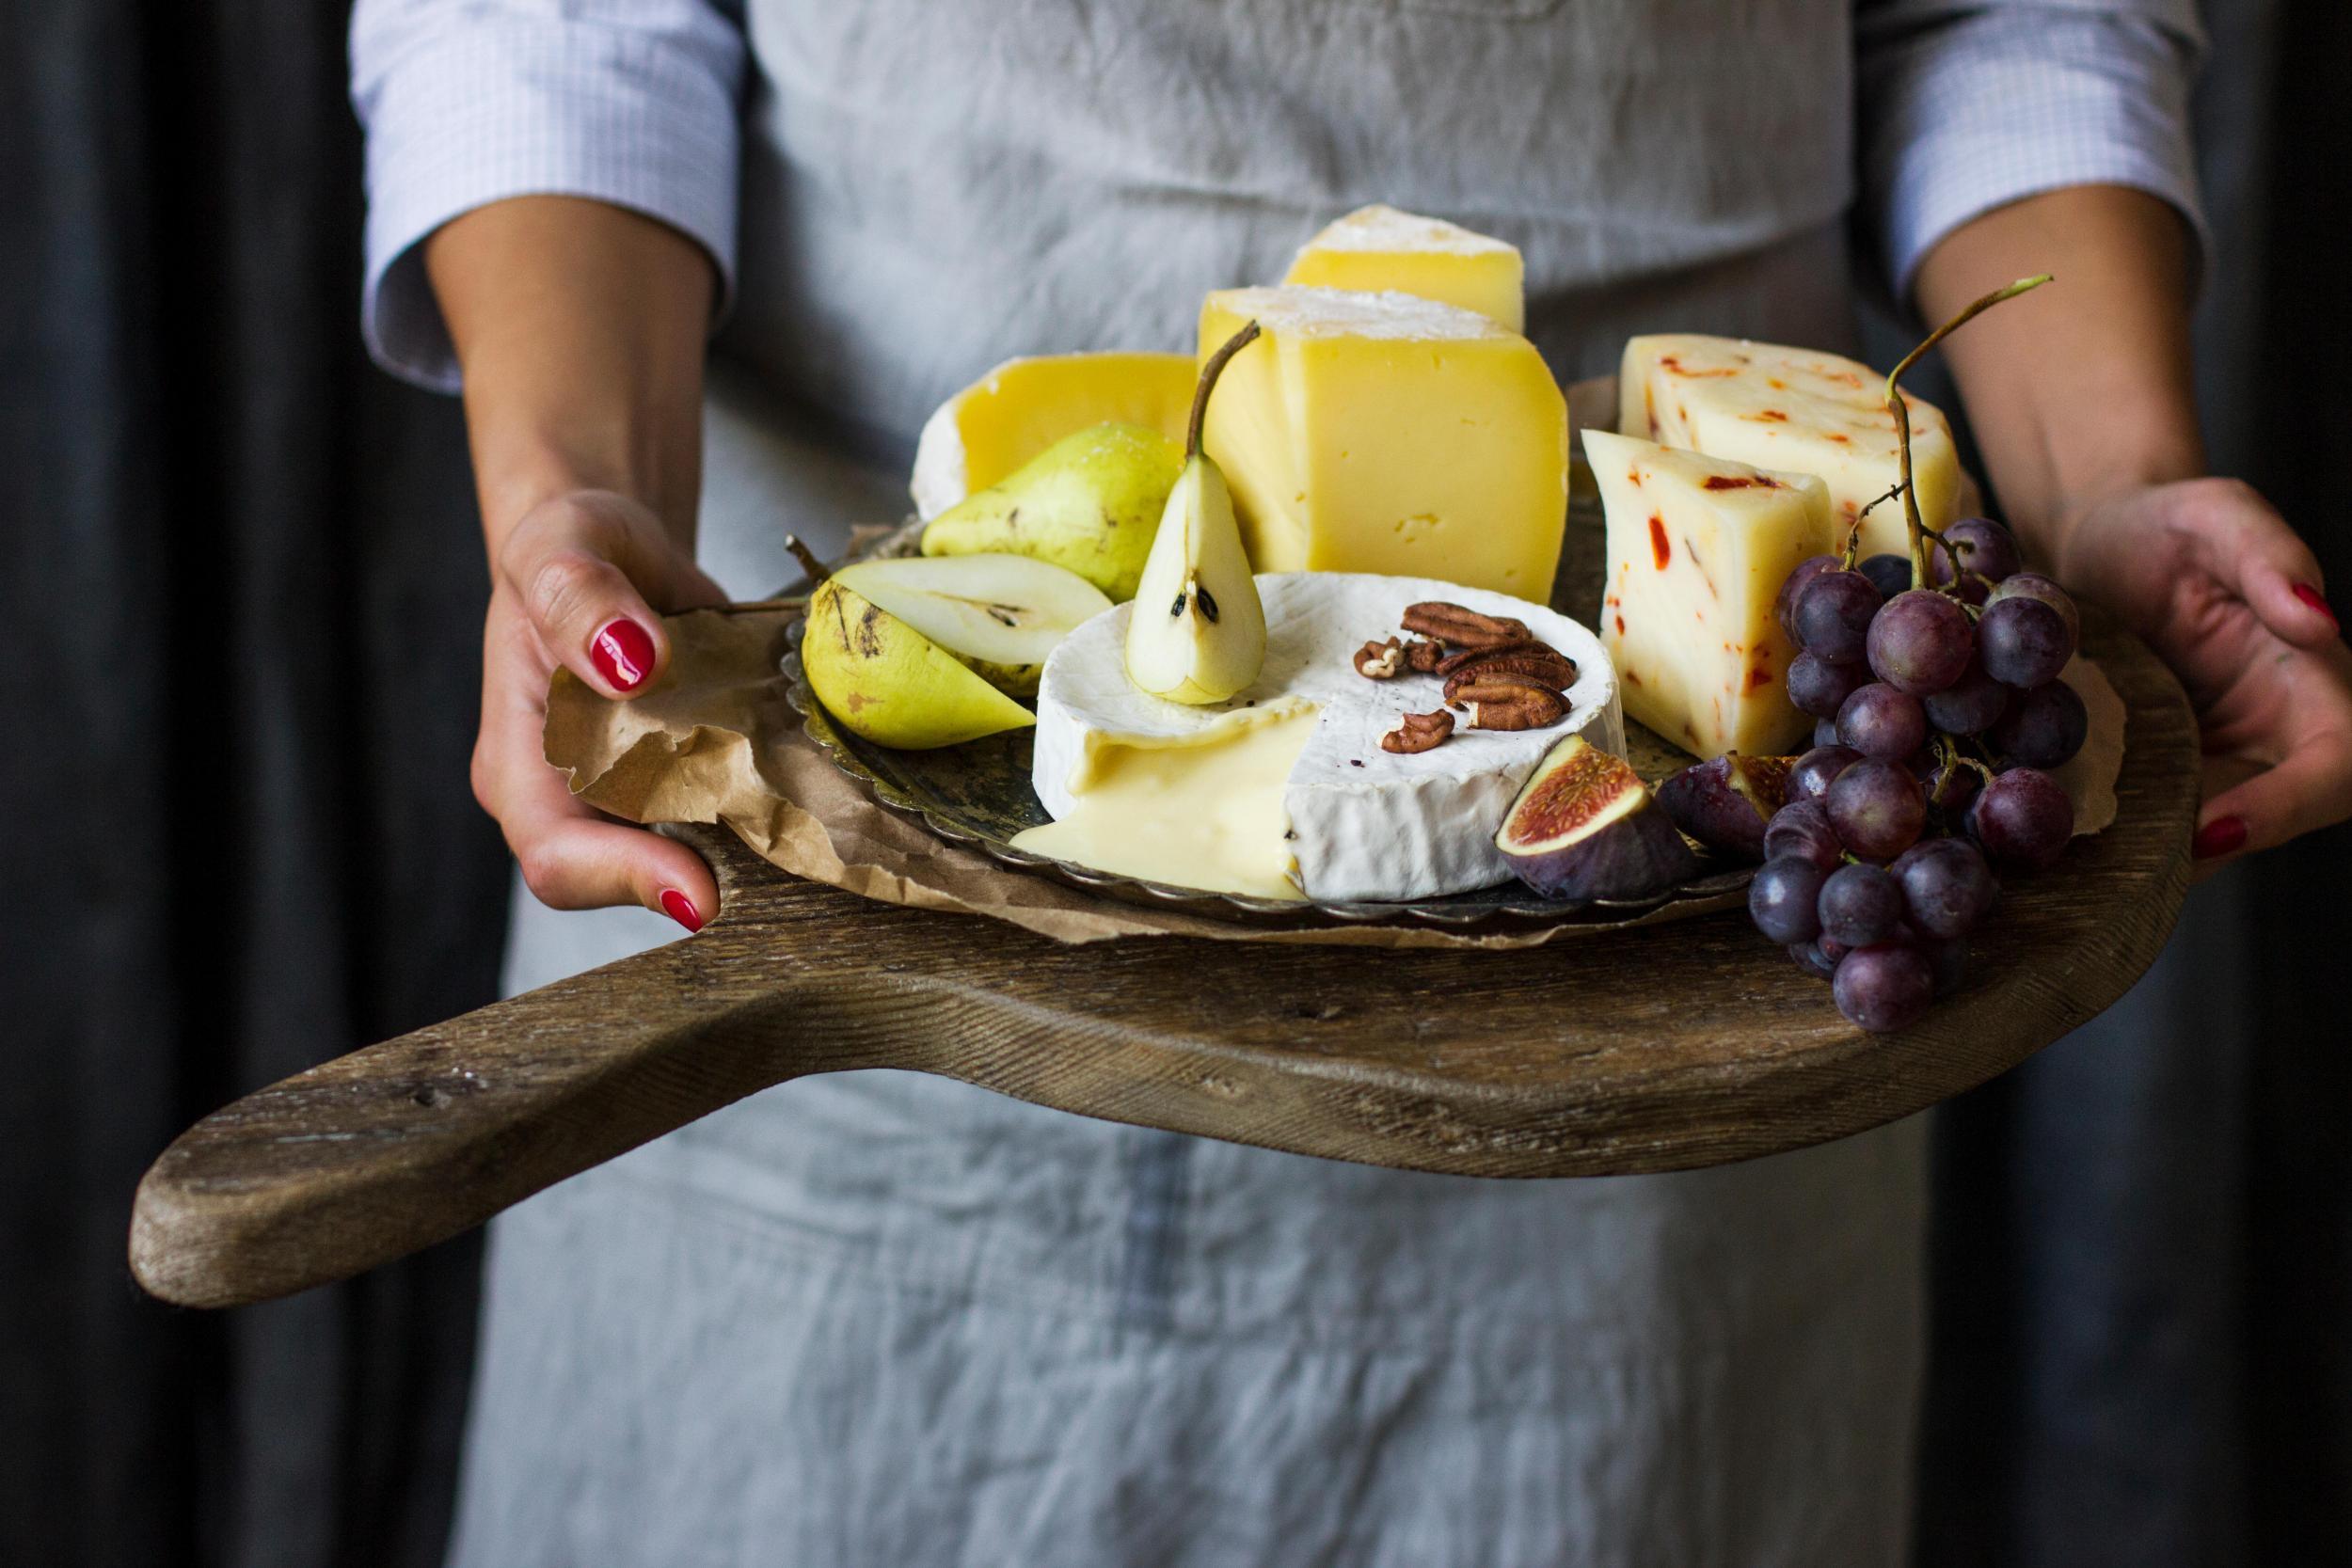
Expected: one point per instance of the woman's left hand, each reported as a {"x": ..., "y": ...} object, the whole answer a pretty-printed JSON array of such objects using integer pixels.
[{"x": 2209, "y": 574}]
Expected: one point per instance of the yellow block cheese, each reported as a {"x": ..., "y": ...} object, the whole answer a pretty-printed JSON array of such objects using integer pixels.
[
  {"x": 1795, "y": 409},
  {"x": 1697, "y": 549},
  {"x": 1023, "y": 407},
  {"x": 1378, "y": 248},
  {"x": 1385, "y": 432}
]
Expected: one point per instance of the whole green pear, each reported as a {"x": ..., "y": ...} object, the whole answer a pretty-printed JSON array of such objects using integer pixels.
[{"x": 1089, "y": 504}]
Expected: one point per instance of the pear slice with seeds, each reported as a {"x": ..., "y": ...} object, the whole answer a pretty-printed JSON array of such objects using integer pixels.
[
  {"x": 1197, "y": 633},
  {"x": 1000, "y": 615}
]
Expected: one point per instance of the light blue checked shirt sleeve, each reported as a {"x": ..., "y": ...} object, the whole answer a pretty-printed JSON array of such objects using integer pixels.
[
  {"x": 468, "y": 102},
  {"x": 1970, "y": 104}
]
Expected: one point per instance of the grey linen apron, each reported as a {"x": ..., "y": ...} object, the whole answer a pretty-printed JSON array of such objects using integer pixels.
[{"x": 881, "y": 1319}]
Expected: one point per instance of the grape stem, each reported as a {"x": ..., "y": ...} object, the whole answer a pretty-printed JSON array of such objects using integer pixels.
[{"x": 1921, "y": 532}]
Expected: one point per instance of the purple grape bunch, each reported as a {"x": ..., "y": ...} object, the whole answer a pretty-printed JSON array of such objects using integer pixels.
[{"x": 1940, "y": 714}]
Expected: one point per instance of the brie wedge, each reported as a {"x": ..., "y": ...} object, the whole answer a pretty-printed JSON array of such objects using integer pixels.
[{"x": 1282, "y": 790}]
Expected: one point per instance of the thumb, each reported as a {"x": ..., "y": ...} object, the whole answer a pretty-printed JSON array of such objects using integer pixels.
[{"x": 575, "y": 564}]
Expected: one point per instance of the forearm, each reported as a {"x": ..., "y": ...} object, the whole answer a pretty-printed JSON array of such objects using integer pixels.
[
  {"x": 2081, "y": 389},
  {"x": 579, "y": 326}
]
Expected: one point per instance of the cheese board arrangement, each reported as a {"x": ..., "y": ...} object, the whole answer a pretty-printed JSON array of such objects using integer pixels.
[{"x": 1331, "y": 661}]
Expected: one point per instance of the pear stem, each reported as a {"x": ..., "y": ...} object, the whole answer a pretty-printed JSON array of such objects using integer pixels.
[
  {"x": 1209, "y": 372},
  {"x": 1921, "y": 532},
  {"x": 817, "y": 570}
]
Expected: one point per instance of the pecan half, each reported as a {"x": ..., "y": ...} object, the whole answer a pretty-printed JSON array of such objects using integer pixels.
[
  {"x": 1380, "y": 662},
  {"x": 1506, "y": 703},
  {"x": 1419, "y": 731},
  {"x": 1543, "y": 667},
  {"x": 1460, "y": 627}
]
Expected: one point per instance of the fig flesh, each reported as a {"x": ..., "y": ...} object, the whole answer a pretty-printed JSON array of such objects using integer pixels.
[
  {"x": 1584, "y": 827},
  {"x": 1724, "y": 804}
]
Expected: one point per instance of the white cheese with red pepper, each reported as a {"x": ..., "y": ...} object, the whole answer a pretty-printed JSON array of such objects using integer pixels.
[
  {"x": 1283, "y": 790},
  {"x": 1697, "y": 550},
  {"x": 1797, "y": 410}
]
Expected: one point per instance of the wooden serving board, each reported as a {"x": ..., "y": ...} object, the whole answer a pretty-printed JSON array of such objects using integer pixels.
[{"x": 1637, "y": 1051}]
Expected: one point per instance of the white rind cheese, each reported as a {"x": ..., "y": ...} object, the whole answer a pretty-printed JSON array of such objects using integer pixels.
[{"x": 1368, "y": 824}]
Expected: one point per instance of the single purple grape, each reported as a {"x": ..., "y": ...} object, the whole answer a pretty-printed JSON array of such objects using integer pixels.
[
  {"x": 1970, "y": 706},
  {"x": 1889, "y": 573},
  {"x": 1801, "y": 828},
  {"x": 2023, "y": 642},
  {"x": 1884, "y": 987},
  {"x": 1784, "y": 603},
  {"x": 2022, "y": 817},
  {"x": 1832, "y": 616},
  {"x": 1986, "y": 550},
  {"x": 1946, "y": 887},
  {"x": 1920, "y": 642},
  {"x": 1783, "y": 900},
  {"x": 1810, "y": 776},
  {"x": 1813, "y": 961},
  {"x": 1948, "y": 961},
  {"x": 2033, "y": 585},
  {"x": 1880, "y": 721},
  {"x": 1877, "y": 808},
  {"x": 1860, "y": 905},
  {"x": 2044, "y": 727},
  {"x": 1818, "y": 687}
]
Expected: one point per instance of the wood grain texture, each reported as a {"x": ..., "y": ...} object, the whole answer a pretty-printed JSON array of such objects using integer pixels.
[{"x": 1642, "y": 1050}]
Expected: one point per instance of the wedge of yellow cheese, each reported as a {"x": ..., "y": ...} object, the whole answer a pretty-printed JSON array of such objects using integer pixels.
[
  {"x": 1795, "y": 409},
  {"x": 1379, "y": 249},
  {"x": 1023, "y": 407},
  {"x": 1385, "y": 433},
  {"x": 1697, "y": 549}
]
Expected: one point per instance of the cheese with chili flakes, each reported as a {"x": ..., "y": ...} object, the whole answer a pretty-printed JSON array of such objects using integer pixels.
[
  {"x": 1795, "y": 409},
  {"x": 1697, "y": 549}
]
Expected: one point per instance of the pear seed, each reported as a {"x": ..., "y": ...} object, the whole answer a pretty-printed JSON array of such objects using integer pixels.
[
  {"x": 1208, "y": 604},
  {"x": 1178, "y": 607}
]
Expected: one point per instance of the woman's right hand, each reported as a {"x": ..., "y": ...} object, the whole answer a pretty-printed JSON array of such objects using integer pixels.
[{"x": 576, "y": 582}]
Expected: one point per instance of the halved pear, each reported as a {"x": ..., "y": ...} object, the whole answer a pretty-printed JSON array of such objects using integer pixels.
[
  {"x": 1197, "y": 633},
  {"x": 891, "y": 684},
  {"x": 1000, "y": 615}
]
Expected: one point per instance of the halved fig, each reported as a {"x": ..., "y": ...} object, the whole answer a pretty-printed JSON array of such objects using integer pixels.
[
  {"x": 1584, "y": 827},
  {"x": 1726, "y": 803}
]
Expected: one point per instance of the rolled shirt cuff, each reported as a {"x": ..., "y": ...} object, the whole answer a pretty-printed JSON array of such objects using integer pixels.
[
  {"x": 488, "y": 108},
  {"x": 1974, "y": 114}
]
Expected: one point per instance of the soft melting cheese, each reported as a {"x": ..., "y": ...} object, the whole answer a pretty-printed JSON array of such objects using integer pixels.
[
  {"x": 993, "y": 426},
  {"x": 1793, "y": 409},
  {"x": 1697, "y": 549},
  {"x": 1384, "y": 433},
  {"x": 1129, "y": 773},
  {"x": 1207, "y": 815},
  {"x": 1378, "y": 248}
]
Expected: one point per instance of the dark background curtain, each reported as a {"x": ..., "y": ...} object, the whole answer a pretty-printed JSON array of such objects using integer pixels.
[{"x": 240, "y": 593}]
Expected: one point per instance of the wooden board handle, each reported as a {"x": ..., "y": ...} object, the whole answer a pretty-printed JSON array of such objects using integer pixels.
[{"x": 374, "y": 1155}]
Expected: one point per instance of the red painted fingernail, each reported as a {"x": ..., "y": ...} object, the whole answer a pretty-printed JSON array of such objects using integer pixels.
[
  {"x": 2219, "y": 837},
  {"x": 623, "y": 654},
  {"x": 2310, "y": 595},
  {"x": 681, "y": 909}
]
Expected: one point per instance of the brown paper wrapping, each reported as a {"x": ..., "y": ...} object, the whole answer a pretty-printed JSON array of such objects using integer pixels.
[{"x": 715, "y": 742}]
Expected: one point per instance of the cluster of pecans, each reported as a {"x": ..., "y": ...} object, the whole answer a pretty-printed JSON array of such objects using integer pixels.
[{"x": 1497, "y": 671}]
